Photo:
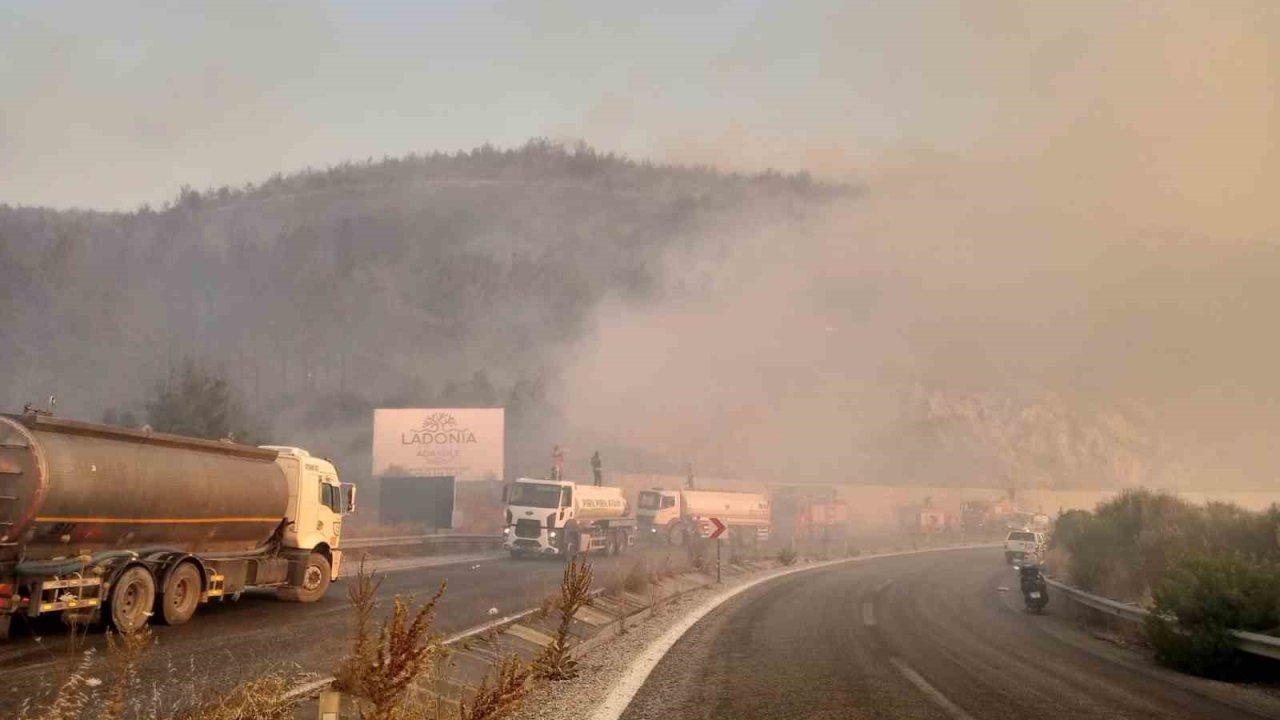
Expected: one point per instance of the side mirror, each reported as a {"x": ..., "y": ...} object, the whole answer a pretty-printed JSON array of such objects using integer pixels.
[
  {"x": 350, "y": 497},
  {"x": 506, "y": 492}
]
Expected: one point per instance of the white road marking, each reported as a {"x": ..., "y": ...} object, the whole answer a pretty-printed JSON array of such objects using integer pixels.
[
  {"x": 934, "y": 694},
  {"x": 619, "y": 696},
  {"x": 868, "y": 614}
]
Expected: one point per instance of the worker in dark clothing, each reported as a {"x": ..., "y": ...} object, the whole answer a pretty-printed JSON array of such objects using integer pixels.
[{"x": 595, "y": 469}]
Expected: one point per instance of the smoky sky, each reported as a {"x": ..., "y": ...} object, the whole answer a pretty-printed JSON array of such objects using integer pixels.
[{"x": 1050, "y": 198}]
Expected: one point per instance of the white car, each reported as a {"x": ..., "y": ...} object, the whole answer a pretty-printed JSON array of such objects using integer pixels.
[{"x": 1022, "y": 543}]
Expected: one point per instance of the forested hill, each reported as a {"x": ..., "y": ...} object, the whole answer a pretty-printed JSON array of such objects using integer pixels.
[{"x": 448, "y": 279}]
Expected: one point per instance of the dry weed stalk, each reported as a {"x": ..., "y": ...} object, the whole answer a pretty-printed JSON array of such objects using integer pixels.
[
  {"x": 362, "y": 594},
  {"x": 125, "y": 651},
  {"x": 407, "y": 649},
  {"x": 554, "y": 662},
  {"x": 503, "y": 696}
]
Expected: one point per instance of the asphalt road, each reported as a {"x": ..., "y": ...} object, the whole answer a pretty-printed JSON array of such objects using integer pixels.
[
  {"x": 925, "y": 636},
  {"x": 227, "y": 643}
]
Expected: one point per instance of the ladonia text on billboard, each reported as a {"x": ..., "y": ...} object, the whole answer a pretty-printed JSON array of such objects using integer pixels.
[{"x": 463, "y": 443}]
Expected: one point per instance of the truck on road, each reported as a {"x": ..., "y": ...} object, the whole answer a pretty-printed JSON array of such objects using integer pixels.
[
  {"x": 676, "y": 516},
  {"x": 561, "y": 518},
  {"x": 121, "y": 524}
]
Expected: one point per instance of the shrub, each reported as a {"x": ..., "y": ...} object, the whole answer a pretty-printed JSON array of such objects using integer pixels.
[
  {"x": 501, "y": 697},
  {"x": 383, "y": 668},
  {"x": 786, "y": 556},
  {"x": 637, "y": 578},
  {"x": 554, "y": 661},
  {"x": 1199, "y": 603}
]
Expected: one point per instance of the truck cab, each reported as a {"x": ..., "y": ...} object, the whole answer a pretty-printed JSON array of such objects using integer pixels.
[
  {"x": 317, "y": 502},
  {"x": 657, "y": 510},
  {"x": 537, "y": 514},
  {"x": 557, "y": 517}
]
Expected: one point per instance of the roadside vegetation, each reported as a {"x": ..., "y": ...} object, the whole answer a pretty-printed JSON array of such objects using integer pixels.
[
  {"x": 1202, "y": 570},
  {"x": 555, "y": 662}
]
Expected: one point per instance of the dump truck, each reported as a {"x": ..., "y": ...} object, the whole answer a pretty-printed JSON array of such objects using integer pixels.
[
  {"x": 128, "y": 525},
  {"x": 562, "y": 518},
  {"x": 677, "y": 516}
]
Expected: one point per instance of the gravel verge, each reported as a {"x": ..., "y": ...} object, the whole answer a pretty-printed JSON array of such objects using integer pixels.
[{"x": 603, "y": 664}]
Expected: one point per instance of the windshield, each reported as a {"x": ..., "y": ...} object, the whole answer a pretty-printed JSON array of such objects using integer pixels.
[
  {"x": 1022, "y": 536},
  {"x": 534, "y": 495},
  {"x": 649, "y": 500}
]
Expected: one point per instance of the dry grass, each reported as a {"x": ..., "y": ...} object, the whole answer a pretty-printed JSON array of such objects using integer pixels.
[
  {"x": 554, "y": 661},
  {"x": 786, "y": 556},
  {"x": 73, "y": 695},
  {"x": 549, "y": 603},
  {"x": 125, "y": 652},
  {"x": 264, "y": 698},
  {"x": 501, "y": 697}
]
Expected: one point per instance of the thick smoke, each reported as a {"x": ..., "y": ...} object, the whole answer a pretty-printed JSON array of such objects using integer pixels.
[{"x": 1089, "y": 284}]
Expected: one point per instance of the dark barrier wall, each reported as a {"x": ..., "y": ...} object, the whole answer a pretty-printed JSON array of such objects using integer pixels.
[{"x": 425, "y": 501}]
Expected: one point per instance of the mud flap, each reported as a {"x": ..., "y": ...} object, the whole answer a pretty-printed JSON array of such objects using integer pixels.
[{"x": 4, "y": 626}]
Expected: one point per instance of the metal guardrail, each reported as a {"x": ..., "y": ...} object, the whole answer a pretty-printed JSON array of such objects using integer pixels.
[
  {"x": 439, "y": 539},
  {"x": 1252, "y": 643}
]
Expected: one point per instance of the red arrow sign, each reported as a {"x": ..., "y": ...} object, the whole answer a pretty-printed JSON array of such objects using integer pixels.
[{"x": 717, "y": 528}]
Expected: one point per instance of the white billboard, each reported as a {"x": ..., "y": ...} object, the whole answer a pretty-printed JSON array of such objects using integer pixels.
[{"x": 465, "y": 443}]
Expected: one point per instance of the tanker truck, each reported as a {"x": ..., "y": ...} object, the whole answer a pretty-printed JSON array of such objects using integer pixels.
[
  {"x": 111, "y": 523},
  {"x": 561, "y": 518},
  {"x": 678, "y": 516}
]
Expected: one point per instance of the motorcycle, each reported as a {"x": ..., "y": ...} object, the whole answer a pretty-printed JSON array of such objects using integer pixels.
[{"x": 1035, "y": 591}]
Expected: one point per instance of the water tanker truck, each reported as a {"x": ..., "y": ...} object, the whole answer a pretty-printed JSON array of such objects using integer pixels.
[
  {"x": 679, "y": 516},
  {"x": 123, "y": 525},
  {"x": 553, "y": 517}
]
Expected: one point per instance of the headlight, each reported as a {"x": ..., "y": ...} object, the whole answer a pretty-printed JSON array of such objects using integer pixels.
[
  {"x": 506, "y": 531},
  {"x": 552, "y": 534}
]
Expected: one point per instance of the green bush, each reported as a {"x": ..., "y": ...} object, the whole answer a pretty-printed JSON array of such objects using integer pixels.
[
  {"x": 1127, "y": 545},
  {"x": 1201, "y": 600}
]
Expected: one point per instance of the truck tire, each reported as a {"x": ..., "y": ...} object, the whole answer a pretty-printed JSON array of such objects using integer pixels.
[
  {"x": 181, "y": 595},
  {"x": 315, "y": 581},
  {"x": 133, "y": 596}
]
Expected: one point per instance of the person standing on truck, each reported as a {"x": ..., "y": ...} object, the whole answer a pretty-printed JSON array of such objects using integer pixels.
[
  {"x": 595, "y": 469},
  {"x": 557, "y": 464}
]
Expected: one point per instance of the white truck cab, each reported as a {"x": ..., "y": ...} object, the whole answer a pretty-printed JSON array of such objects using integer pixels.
[
  {"x": 657, "y": 509},
  {"x": 317, "y": 502},
  {"x": 558, "y": 517}
]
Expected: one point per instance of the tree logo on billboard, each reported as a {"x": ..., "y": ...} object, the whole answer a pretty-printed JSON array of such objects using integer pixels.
[{"x": 438, "y": 438}]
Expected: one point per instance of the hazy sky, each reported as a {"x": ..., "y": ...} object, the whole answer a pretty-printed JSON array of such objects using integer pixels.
[{"x": 113, "y": 104}]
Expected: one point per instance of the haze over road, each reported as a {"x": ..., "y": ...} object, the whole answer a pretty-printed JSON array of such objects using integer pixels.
[
  {"x": 228, "y": 643},
  {"x": 925, "y": 636}
]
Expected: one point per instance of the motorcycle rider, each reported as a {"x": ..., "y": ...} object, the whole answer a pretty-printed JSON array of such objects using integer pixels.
[{"x": 1035, "y": 591}]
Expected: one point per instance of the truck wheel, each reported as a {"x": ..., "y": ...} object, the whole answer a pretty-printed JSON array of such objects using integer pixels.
[
  {"x": 315, "y": 581},
  {"x": 133, "y": 595},
  {"x": 181, "y": 594}
]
